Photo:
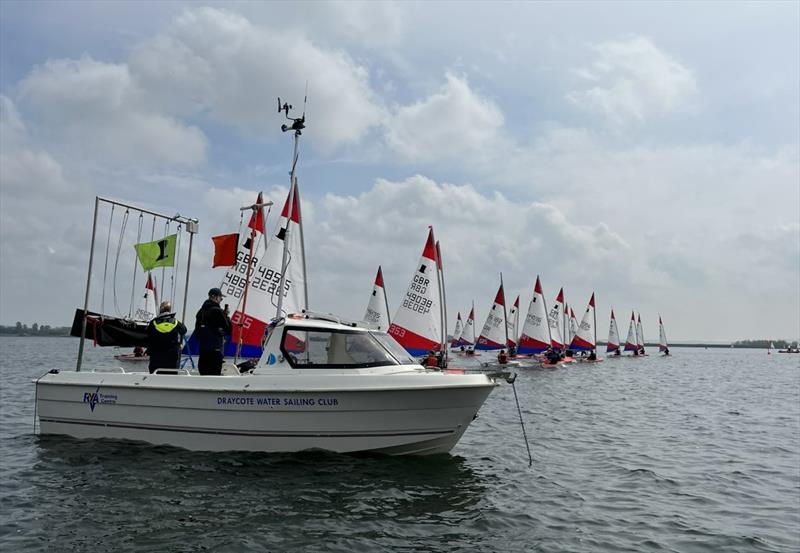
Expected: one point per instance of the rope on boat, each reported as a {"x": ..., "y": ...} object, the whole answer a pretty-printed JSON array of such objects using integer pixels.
[
  {"x": 511, "y": 381},
  {"x": 105, "y": 269},
  {"x": 133, "y": 286},
  {"x": 116, "y": 260}
]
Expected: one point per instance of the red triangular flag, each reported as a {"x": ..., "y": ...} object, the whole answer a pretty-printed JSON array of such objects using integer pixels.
[
  {"x": 225, "y": 247},
  {"x": 257, "y": 217}
]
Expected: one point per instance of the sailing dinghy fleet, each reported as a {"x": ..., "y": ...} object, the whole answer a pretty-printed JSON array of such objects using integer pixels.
[{"x": 297, "y": 379}]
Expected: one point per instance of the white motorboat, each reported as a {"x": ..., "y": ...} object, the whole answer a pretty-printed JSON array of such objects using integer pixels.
[{"x": 320, "y": 384}]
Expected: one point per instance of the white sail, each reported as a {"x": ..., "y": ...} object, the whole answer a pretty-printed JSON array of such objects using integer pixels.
[
  {"x": 147, "y": 308},
  {"x": 513, "y": 324},
  {"x": 613, "y": 335},
  {"x": 468, "y": 334},
  {"x": 630, "y": 342},
  {"x": 556, "y": 321},
  {"x": 417, "y": 323},
  {"x": 377, "y": 314},
  {"x": 584, "y": 333},
  {"x": 265, "y": 276},
  {"x": 456, "y": 340},
  {"x": 662, "y": 336},
  {"x": 535, "y": 336},
  {"x": 493, "y": 335},
  {"x": 639, "y": 332},
  {"x": 573, "y": 324}
]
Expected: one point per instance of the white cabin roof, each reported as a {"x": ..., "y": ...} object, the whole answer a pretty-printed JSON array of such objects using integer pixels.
[{"x": 323, "y": 321}]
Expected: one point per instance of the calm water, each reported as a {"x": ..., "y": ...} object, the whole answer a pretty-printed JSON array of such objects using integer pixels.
[{"x": 698, "y": 452}]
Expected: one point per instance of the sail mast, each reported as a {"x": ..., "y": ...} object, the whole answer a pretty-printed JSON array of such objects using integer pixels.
[
  {"x": 443, "y": 299},
  {"x": 594, "y": 315},
  {"x": 257, "y": 210},
  {"x": 297, "y": 126},
  {"x": 385, "y": 300},
  {"x": 505, "y": 315}
]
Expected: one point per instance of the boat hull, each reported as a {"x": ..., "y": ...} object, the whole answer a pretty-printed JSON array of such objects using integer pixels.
[{"x": 263, "y": 413}]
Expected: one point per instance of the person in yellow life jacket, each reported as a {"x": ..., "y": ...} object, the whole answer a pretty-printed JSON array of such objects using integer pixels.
[{"x": 164, "y": 338}]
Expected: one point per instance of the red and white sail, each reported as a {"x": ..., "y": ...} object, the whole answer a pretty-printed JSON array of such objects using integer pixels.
[
  {"x": 493, "y": 335},
  {"x": 630, "y": 341},
  {"x": 147, "y": 308},
  {"x": 377, "y": 314},
  {"x": 250, "y": 318},
  {"x": 584, "y": 339},
  {"x": 468, "y": 334},
  {"x": 456, "y": 340},
  {"x": 613, "y": 335},
  {"x": 417, "y": 322},
  {"x": 536, "y": 330},
  {"x": 556, "y": 320},
  {"x": 662, "y": 336},
  {"x": 573, "y": 324},
  {"x": 639, "y": 332},
  {"x": 513, "y": 324}
]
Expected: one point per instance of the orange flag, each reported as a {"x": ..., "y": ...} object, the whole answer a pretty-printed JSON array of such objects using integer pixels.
[{"x": 225, "y": 247}]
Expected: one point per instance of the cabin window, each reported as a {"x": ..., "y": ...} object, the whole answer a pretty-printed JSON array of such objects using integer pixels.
[
  {"x": 397, "y": 351},
  {"x": 336, "y": 349}
]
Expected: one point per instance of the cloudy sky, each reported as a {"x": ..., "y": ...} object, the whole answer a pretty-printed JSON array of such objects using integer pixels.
[{"x": 646, "y": 151}]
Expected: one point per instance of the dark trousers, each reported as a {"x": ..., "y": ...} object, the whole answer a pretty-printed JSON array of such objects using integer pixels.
[
  {"x": 210, "y": 363},
  {"x": 164, "y": 361}
]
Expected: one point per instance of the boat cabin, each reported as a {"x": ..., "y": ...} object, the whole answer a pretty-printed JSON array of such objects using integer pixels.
[{"x": 311, "y": 342}]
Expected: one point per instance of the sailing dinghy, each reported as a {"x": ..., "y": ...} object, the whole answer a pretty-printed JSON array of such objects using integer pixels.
[
  {"x": 640, "y": 335},
  {"x": 320, "y": 383},
  {"x": 535, "y": 336},
  {"x": 417, "y": 323},
  {"x": 494, "y": 333},
  {"x": 585, "y": 338},
  {"x": 630, "y": 341},
  {"x": 513, "y": 327},
  {"x": 556, "y": 321},
  {"x": 612, "y": 345},
  {"x": 456, "y": 339},
  {"x": 663, "y": 347},
  {"x": 377, "y": 314}
]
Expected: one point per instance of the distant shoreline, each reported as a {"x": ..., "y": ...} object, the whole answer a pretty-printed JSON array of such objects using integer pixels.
[{"x": 647, "y": 345}]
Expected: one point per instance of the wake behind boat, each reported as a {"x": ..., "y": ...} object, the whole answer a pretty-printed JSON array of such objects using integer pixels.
[{"x": 320, "y": 383}]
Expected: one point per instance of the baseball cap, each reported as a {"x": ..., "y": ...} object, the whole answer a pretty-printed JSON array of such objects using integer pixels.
[{"x": 214, "y": 292}]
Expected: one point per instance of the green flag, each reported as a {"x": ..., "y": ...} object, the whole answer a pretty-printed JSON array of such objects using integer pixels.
[{"x": 160, "y": 253}]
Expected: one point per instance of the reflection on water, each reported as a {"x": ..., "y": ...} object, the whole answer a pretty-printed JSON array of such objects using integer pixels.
[{"x": 697, "y": 452}]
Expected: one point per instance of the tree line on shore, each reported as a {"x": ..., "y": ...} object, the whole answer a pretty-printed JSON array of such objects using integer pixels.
[
  {"x": 22, "y": 329},
  {"x": 778, "y": 344}
]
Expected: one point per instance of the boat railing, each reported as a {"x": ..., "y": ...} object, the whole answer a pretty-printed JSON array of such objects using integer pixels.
[
  {"x": 171, "y": 371},
  {"x": 330, "y": 317},
  {"x": 109, "y": 370}
]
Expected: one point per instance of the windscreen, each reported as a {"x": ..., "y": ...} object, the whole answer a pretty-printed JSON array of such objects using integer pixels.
[
  {"x": 397, "y": 351},
  {"x": 339, "y": 349}
]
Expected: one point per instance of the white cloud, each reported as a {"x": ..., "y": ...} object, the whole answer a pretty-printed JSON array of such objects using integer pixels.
[
  {"x": 632, "y": 80},
  {"x": 96, "y": 110},
  {"x": 453, "y": 123},
  {"x": 217, "y": 63}
]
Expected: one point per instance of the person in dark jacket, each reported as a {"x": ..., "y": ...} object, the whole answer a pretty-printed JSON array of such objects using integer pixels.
[
  {"x": 164, "y": 337},
  {"x": 211, "y": 327}
]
